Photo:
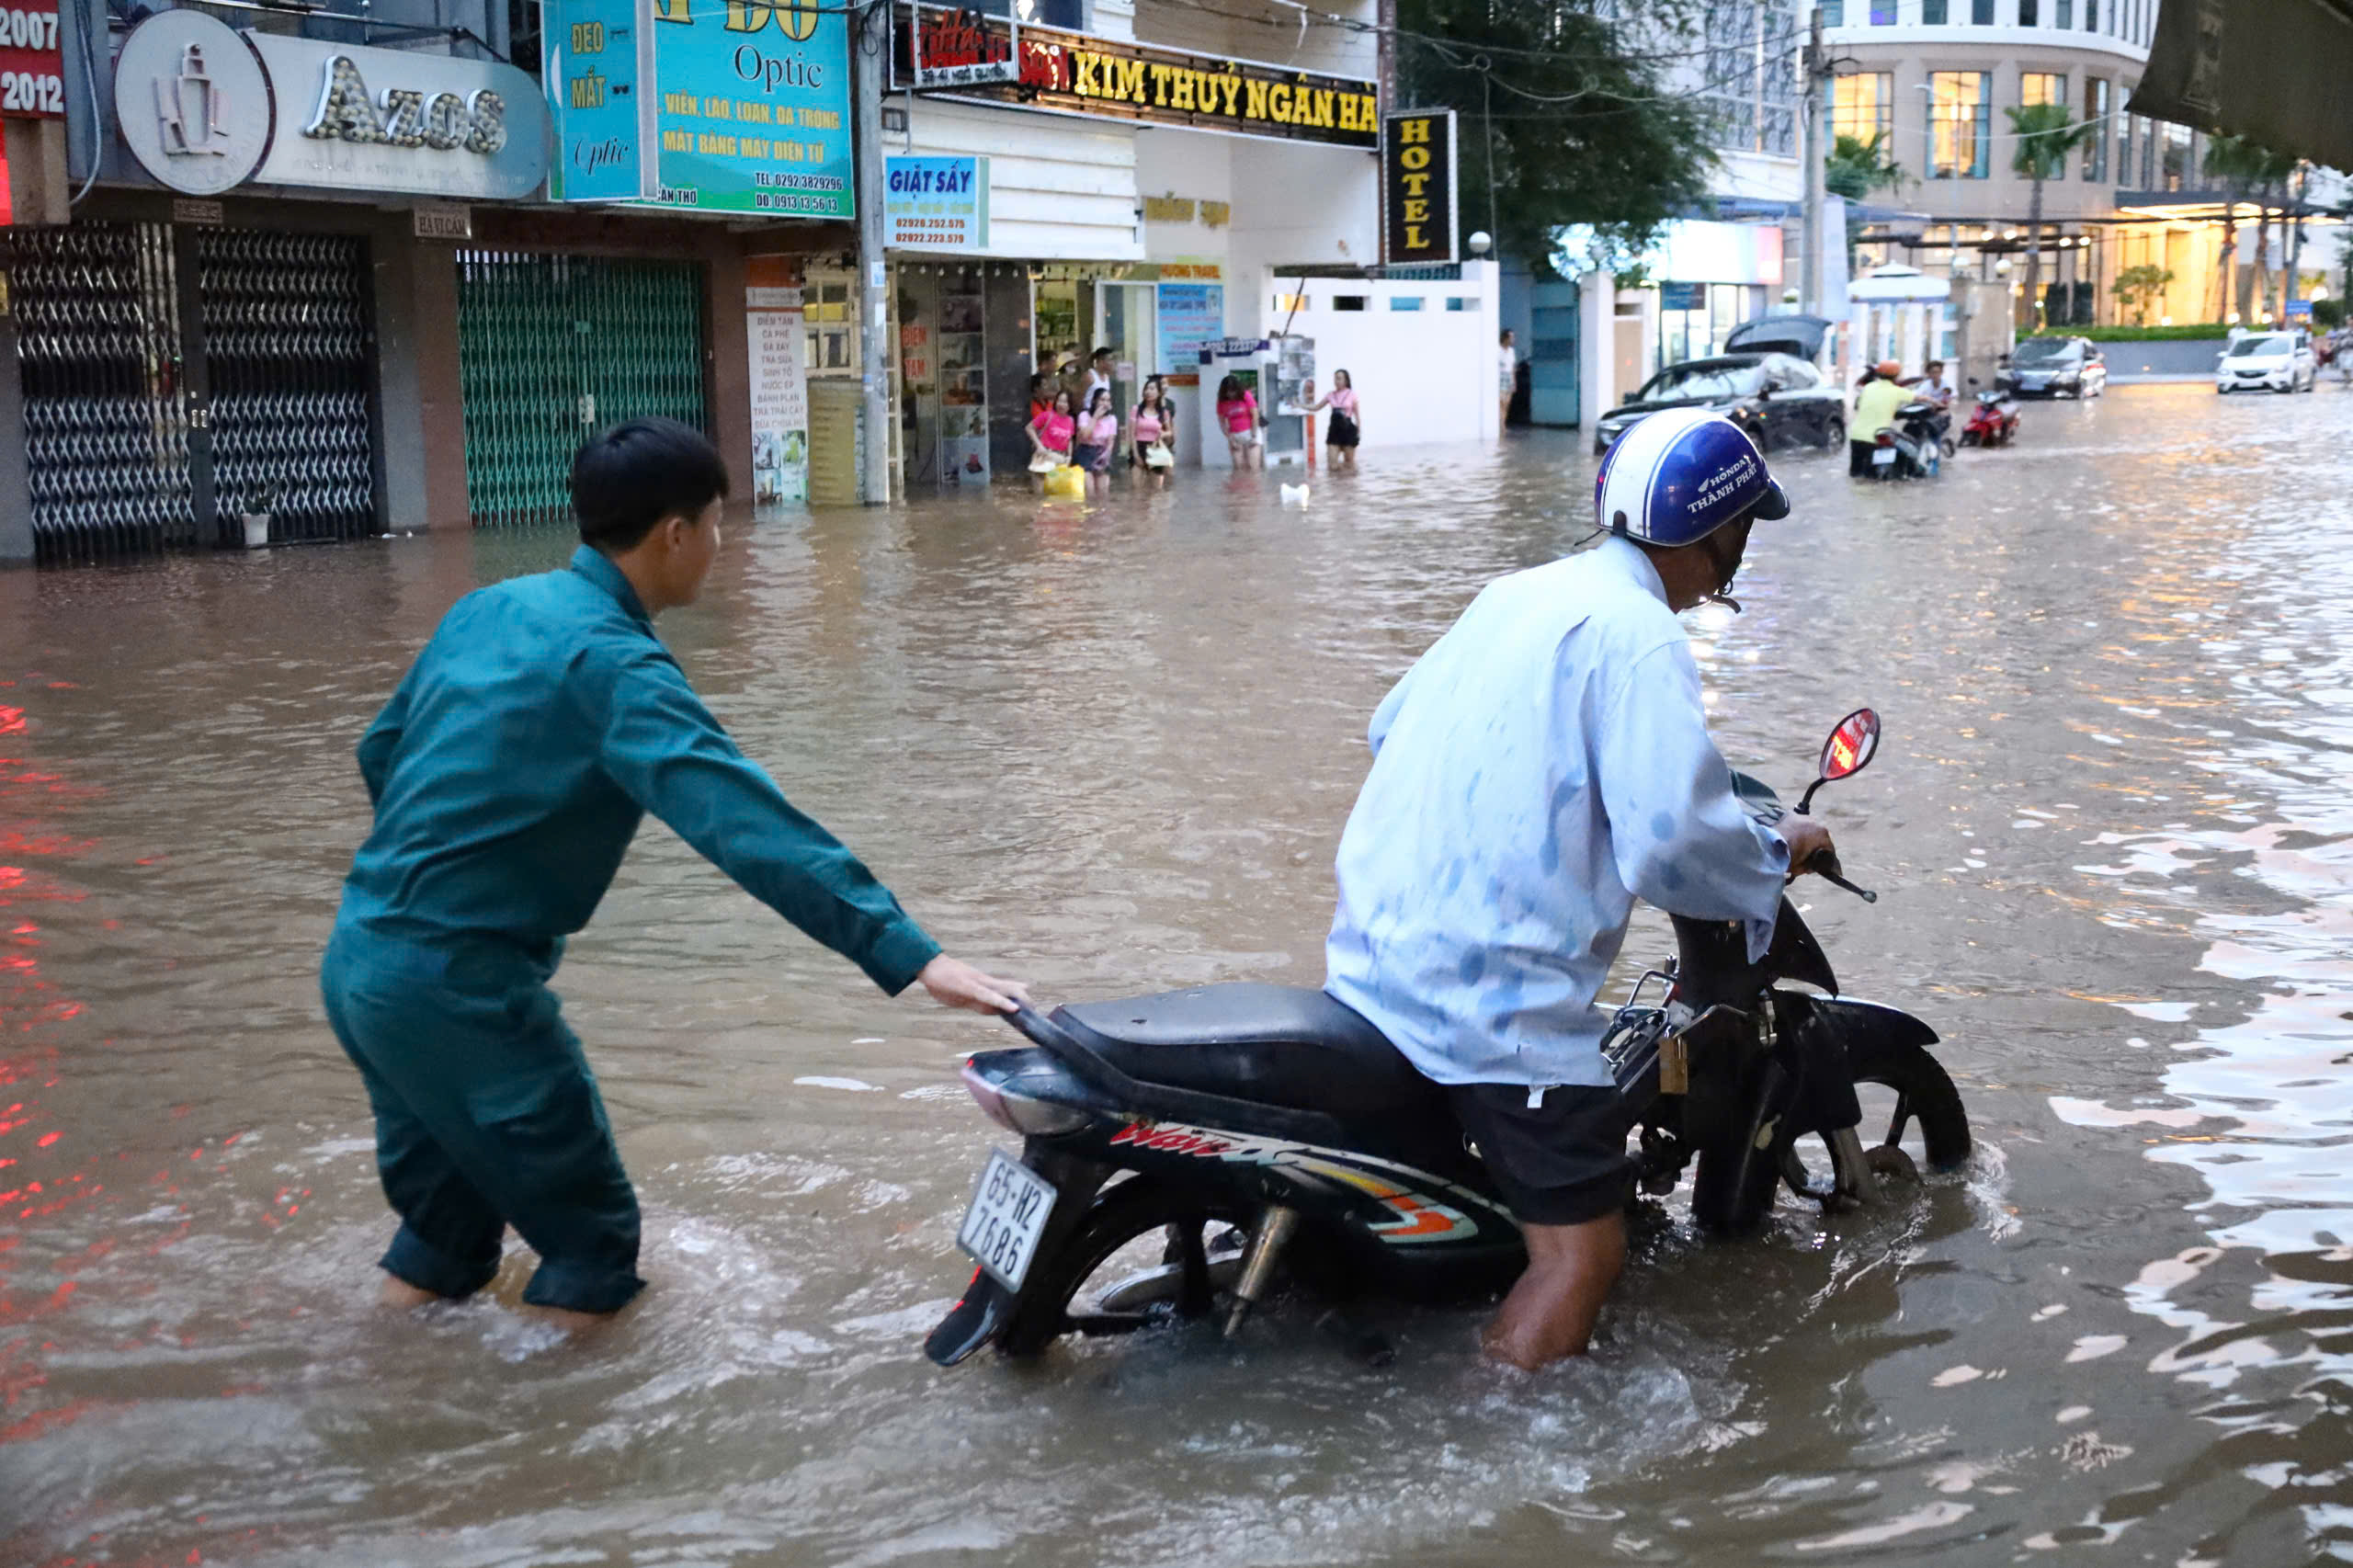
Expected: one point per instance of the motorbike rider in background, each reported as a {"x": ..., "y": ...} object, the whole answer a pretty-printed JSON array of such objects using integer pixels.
[
  {"x": 1875, "y": 407},
  {"x": 1543, "y": 765}
]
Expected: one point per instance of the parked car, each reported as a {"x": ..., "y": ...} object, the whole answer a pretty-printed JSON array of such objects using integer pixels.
[
  {"x": 2273, "y": 361},
  {"x": 2046, "y": 367},
  {"x": 1788, "y": 398}
]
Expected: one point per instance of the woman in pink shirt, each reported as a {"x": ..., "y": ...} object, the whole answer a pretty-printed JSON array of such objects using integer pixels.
[
  {"x": 1237, "y": 414},
  {"x": 1050, "y": 439},
  {"x": 1348, "y": 416},
  {"x": 1098, "y": 433},
  {"x": 1155, "y": 431}
]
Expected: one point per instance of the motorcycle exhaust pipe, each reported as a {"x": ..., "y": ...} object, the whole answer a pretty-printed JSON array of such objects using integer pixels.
[{"x": 1258, "y": 1267}]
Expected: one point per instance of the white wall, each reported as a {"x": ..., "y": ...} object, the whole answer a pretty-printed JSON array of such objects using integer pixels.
[
  {"x": 1189, "y": 164},
  {"x": 1061, "y": 188},
  {"x": 1294, "y": 204},
  {"x": 1425, "y": 376},
  {"x": 1255, "y": 29}
]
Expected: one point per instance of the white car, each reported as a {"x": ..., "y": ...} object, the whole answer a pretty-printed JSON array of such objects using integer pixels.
[{"x": 2268, "y": 362}]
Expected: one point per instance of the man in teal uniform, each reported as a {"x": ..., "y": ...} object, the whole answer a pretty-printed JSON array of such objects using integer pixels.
[{"x": 509, "y": 773}]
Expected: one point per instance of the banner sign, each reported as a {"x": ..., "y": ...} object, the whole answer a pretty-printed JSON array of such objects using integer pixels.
[
  {"x": 351, "y": 118},
  {"x": 1418, "y": 189},
  {"x": 33, "y": 60},
  {"x": 936, "y": 203},
  {"x": 745, "y": 106},
  {"x": 779, "y": 391},
  {"x": 1192, "y": 315},
  {"x": 956, "y": 49},
  {"x": 1079, "y": 73}
]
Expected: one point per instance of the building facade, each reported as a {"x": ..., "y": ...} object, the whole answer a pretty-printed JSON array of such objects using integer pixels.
[{"x": 1932, "y": 81}]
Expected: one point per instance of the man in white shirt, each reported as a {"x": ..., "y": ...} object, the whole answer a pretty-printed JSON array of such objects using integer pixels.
[
  {"x": 1543, "y": 765},
  {"x": 1508, "y": 373}
]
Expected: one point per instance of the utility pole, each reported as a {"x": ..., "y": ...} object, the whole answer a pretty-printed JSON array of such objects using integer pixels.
[
  {"x": 1816, "y": 66},
  {"x": 2295, "y": 241},
  {"x": 871, "y": 44}
]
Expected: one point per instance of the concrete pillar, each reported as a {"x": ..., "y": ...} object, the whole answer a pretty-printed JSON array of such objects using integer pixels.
[
  {"x": 727, "y": 366},
  {"x": 1597, "y": 389},
  {"x": 16, "y": 492},
  {"x": 423, "y": 418}
]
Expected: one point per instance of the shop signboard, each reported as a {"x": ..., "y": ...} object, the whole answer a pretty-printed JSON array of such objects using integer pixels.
[
  {"x": 33, "y": 60},
  {"x": 1191, "y": 315},
  {"x": 953, "y": 47},
  {"x": 1072, "y": 72},
  {"x": 193, "y": 102},
  {"x": 779, "y": 391},
  {"x": 745, "y": 106},
  {"x": 357, "y": 119},
  {"x": 1418, "y": 189},
  {"x": 936, "y": 203}
]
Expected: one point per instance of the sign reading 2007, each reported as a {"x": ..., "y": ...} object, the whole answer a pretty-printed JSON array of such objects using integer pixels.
[{"x": 730, "y": 105}]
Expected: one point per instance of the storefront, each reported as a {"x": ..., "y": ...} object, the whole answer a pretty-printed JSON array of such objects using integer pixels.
[
  {"x": 1710, "y": 278},
  {"x": 1067, "y": 236}
]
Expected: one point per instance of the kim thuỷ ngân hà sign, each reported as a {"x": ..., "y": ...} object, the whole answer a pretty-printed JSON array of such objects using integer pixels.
[
  {"x": 713, "y": 105},
  {"x": 1105, "y": 78},
  {"x": 1418, "y": 189}
]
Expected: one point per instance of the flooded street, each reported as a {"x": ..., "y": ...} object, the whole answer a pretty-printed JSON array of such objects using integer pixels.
[{"x": 2111, "y": 824}]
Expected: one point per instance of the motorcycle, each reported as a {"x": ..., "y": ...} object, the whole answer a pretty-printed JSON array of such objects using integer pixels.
[
  {"x": 1993, "y": 422},
  {"x": 1178, "y": 1150},
  {"x": 1917, "y": 445}
]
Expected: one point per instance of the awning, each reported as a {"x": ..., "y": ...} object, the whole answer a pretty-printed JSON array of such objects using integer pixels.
[{"x": 2273, "y": 69}]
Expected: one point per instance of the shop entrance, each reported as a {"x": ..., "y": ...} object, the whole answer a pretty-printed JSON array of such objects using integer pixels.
[
  {"x": 176, "y": 379},
  {"x": 1131, "y": 326},
  {"x": 1554, "y": 342},
  {"x": 551, "y": 348}
]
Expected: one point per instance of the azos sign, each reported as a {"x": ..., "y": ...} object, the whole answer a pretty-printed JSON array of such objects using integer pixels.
[{"x": 388, "y": 119}]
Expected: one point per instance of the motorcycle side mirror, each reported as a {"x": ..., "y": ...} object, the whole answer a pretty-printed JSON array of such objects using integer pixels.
[{"x": 1847, "y": 752}]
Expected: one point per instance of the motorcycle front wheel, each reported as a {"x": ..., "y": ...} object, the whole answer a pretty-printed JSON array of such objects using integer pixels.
[
  {"x": 1735, "y": 1183},
  {"x": 1146, "y": 1254}
]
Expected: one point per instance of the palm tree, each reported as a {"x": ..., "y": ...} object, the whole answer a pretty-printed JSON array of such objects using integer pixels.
[
  {"x": 1855, "y": 168},
  {"x": 2236, "y": 161},
  {"x": 2048, "y": 136},
  {"x": 2271, "y": 174}
]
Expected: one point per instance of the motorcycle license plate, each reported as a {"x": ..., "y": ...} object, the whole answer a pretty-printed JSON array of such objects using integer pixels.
[
  {"x": 1008, "y": 1216},
  {"x": 1883, "y": 456}
]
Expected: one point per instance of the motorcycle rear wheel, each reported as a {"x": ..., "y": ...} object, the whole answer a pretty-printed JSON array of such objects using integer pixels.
[
  {"x": 1122, "y": 1215},
  {"x": 1735, "y": 1183}
]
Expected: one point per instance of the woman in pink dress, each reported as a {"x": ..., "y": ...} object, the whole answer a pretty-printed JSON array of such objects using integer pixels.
[
  {"x": 1099, "y": 435},
  {"x": 1155, "y": 432}
]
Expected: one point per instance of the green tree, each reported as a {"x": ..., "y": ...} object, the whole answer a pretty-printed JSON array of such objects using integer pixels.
[
  {"x": 2237, "y": 164},
  {"x": 1855, "y": 168},
  {"x": 2136, "y": 287},
  {"x": 1571, "y": 116},
  {"x": 2048, "y": 136}
]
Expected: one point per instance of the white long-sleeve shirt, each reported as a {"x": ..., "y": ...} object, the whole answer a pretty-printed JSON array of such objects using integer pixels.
[{"x": 1546, "y": 763}]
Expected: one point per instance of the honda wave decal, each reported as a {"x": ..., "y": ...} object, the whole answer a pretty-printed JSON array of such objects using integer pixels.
[{"x": 1420, "y": 1216}]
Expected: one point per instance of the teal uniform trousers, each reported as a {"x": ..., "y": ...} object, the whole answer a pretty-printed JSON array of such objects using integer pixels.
[{"x": 509, "y": 772}]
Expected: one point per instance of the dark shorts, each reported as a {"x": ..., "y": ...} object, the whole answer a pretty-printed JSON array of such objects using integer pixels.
[
  {"x": 486, "y": 1115},
  {"x": 1344, "y": 431},
  {"x": 1562, "y": 1164},
  {"x": 1093, "y": 460}
]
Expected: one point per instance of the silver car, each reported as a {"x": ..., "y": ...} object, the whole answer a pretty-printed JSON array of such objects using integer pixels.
[{"x": 2268, "y": 362}]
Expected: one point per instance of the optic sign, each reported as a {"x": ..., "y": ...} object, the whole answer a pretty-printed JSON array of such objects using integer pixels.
[
  {"x": 32, "y": 70},
  {"x": 745, "y": 106},
  {"x": 1108, "y": 79},
  {"x": 357, "y": 119},
  {"x": 1418, "y": 189}
]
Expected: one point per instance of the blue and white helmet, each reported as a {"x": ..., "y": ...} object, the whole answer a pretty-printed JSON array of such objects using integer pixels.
[{"x": 1677, "y": 476}]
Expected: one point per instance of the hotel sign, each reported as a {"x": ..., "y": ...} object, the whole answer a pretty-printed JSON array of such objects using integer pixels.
[
  {"x": 1070, "y": 73},
  {"x": 1418, "y": 189}
]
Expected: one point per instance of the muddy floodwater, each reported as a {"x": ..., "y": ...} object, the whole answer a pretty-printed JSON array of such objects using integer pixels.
[{"x": 2112, "y": 826}]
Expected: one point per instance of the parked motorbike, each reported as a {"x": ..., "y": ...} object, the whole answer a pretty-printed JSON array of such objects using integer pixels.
[
  {"x": 1181, "y": 1151},
  {"x": 1993, "y": 422},
  {"x": 1917, "y": 445}
]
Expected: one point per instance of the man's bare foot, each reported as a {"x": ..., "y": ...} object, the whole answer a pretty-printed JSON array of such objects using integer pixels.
[{"x": 401, "y": 1295}]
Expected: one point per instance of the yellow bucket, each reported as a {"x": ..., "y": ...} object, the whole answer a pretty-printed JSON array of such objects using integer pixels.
[{"x": 1067, "y": 482}]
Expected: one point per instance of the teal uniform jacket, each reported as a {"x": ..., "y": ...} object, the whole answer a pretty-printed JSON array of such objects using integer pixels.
[{"x": 509, "y": 772}]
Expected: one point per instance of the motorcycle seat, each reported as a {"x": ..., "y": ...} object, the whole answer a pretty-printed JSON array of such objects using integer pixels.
[{"x": 1276, "y": 1045}]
